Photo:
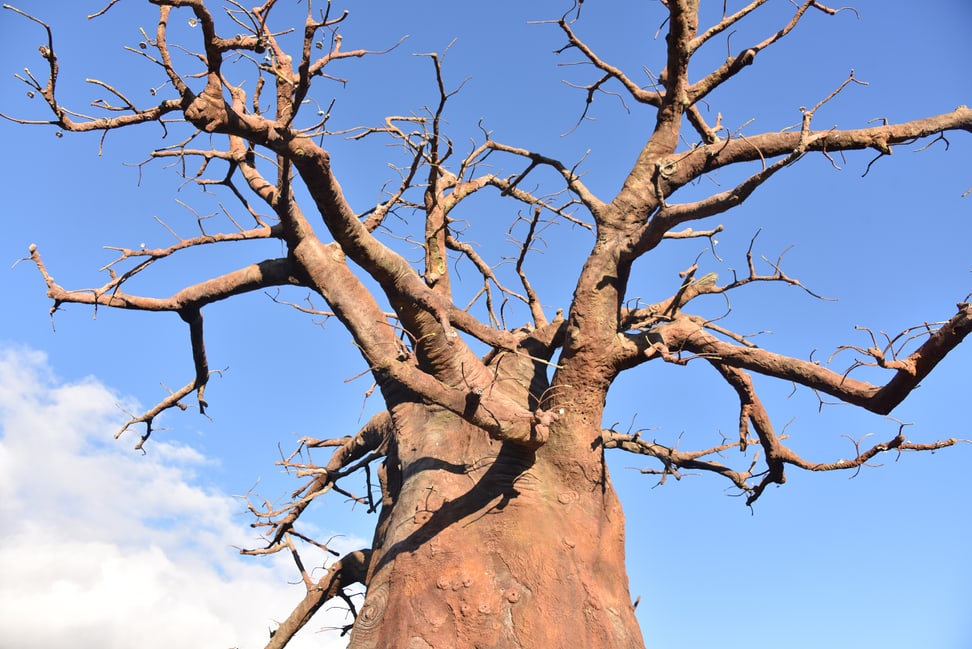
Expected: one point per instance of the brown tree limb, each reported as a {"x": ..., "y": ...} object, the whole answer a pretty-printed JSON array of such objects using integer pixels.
[
  {"x": 193, "y": 317},
  {"x": 752, "y": 413},
  {"x": 639, "y": 194},
  {"x": 733, "y": 65},
  {"x": 689, "y": 333},
  {"x": 174, "y": 400},
  {"x": 533, "y": 300},
  {"x": 709, "y": 134},
  {"x": 489, "y": 277},
  {"x": 273, "y": 272},
  {"x": 724, "y": 24},
  {"x": 372, "y": 439},
  {"x": 188, "y": 302},
  {"x": 674, "y": 460},
  {"x": 776, "y": 455},
  {"x": 436, "y": 212},
  {"x": 350, "y": 569},
  {"x": 691, "y": 287},
  {"x": 637, "y": 93},
  {"x": 862, "y": 457},
  {"x": 771, "y": 145},
  {"x": 670, "y": 216},
  {"x": 569, "y": 174},
  {"x": 151, "y": 255},
  {"x": 63, "y": 116}
]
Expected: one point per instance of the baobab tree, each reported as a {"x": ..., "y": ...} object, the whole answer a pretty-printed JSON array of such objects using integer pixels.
[{"x": 486, "y": 465}]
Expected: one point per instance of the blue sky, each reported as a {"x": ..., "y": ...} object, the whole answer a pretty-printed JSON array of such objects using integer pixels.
[{"x": 108, "y": 547}]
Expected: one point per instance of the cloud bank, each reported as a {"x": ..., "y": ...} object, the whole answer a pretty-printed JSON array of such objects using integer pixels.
[{"x": 103, "y": 548}]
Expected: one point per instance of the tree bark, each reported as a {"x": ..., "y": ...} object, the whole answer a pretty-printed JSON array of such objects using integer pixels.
[{"x": 486, "y": 544}]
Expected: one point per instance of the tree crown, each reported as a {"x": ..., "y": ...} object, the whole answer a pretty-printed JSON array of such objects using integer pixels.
[{"x": 473, "y": 245}]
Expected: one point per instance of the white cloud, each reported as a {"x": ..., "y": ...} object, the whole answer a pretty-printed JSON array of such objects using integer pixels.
[{"x": 102, "y": 547}]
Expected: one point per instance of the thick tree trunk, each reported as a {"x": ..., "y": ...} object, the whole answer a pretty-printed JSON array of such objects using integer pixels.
[{"x": 483, "y": 544}]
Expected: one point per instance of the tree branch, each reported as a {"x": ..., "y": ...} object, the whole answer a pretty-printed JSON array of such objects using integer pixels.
[
  {"x": 371, "y": 440},
  {"x": 673, "y": 460},
  {"x": 350, "y": 569},
  {"x": 733, "y": 65},
  {"x": 689, "y": 333},
  {"x": 771, "y": 145}
]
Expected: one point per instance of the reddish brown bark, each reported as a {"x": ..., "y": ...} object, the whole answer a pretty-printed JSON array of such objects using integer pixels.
[{"x": 487, "y": 544}]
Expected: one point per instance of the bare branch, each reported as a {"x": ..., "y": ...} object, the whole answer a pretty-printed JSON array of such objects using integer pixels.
[
  {"x": 350, "y": 569},
  {"x": 148, "y": 417},
  {"x": 733, "y": 65},
  {"x": 370, "y": 441},
  {"x": 724, "y": 24},
  {"x": 689, "y": 333},
  {"x": 771, "y": 145},
  {"x": 573, "y": 180},
  {"x": 674, "y": 460},
  {"x": 612, "y": 72}
]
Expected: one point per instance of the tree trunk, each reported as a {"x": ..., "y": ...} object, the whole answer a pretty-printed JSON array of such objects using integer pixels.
[{"x": 485, "y": 544}]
